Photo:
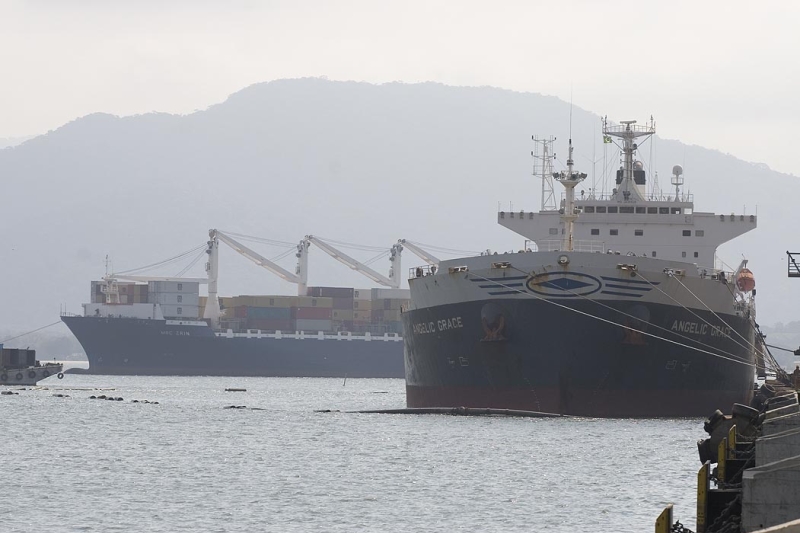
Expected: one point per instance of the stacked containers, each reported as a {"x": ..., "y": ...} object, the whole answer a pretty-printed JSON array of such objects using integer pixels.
[
  {"x": 387, "y": 306},
  {"x": 178, "y": 299},
  {"x": 129, "y": 293},
  {"x": 313, "y": 314}
]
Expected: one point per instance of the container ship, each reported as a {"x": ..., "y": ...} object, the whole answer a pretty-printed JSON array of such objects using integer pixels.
[
  {"x": 619, "y": 312},
  {"x": 138, "y": 325}
]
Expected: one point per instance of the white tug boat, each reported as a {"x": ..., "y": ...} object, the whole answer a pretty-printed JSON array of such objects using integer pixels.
[{"x": 621, "y": 312}]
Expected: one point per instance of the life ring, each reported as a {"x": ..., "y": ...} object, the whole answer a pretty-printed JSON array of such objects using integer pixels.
[
  {"x": 18, "y": 376},
  {"x": 60, "y": 375},
  {"x": 32, "y": 374},
  {"x": 3, "y": 377},
  {"x": 45, "y": 373}
]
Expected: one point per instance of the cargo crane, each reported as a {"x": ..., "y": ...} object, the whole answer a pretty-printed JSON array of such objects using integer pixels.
[
  {"x": 393, "y": 281},
  {"x": 419, "y": 252},
  {"x": 299, "y": 277}
]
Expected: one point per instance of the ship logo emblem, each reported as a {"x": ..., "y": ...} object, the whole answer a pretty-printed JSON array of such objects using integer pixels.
[
  {"x": 563, "y": 284},
  {"x": 493, "y": 320}
]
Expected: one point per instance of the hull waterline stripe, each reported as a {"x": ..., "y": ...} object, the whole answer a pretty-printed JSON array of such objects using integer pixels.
[
  {"x": 508, "y": 278},
  {"x": 628, "y": 287},
  {"x": 615, "y": 293},
  {"x": 503, "y": 292},
  {"x": 606, "y": 278}
]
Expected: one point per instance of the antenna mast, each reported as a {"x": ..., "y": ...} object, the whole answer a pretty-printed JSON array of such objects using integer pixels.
[{"x": 543, "y": 167}]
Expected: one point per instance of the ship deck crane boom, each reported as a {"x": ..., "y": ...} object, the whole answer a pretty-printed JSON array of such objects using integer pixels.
[
  {"x": 300, "y": 277},
  {"x": 257, "y": 258},
  {"x": 419, "y": 252},
  {"x": 392, "y": 281}
]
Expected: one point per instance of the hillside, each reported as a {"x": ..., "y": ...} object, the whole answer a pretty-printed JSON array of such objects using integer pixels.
[{"x": 349, "y": 161}]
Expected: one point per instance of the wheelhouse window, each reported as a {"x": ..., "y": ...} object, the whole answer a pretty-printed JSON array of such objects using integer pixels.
[
  {"x": 638, "y": 232},
  {"x": 640, "y": 210},
  {"x": 612, "y": 209},
  {"x": 613, "y": 232},
  {"x": 699, "y": 233},
  {"x": 601, "y": 209},
  {"x": 687, "y": 233},
  {"x": 588, "y": 209},
  {"x": 652, "y": 210},
  {"x": 663, "y": 210},
  {"x": 654, "y": 253},
  {"x": 695, "y": 254},
  {"x": 676, "y": 210},
  {"x": 626, "y": 209},
  {"x": 553, "y": 231},
  {"x": 595, "y": 231}
]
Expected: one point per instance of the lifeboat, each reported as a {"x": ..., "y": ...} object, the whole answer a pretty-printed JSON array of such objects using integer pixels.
[{"x": 745, "y": 280}]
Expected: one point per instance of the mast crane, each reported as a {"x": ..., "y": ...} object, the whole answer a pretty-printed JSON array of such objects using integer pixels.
[
  {"x": 299, "y": 277},
  {"x": 419, "y": 252},
  {"x": 392, "y": 281}
]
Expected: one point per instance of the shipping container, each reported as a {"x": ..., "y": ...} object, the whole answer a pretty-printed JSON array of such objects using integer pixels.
[
  {"x": 331, "y": 292},
  {"x": 275, "y": 313},
  {"x": 342, "y": 314},
  {"x": 362, "y": 305},
  {"x": 180, "y": 311},
  {"x": 309, "y": 301},
  {"x": 313, "y": 313},
  {"x": 362, "y": 316},
  {"x": 389, "y": 303},
  {"x": 343, "y": 303},
  {"x": 174, "y": 298},
  {"x": 266, "y": 324},
  {"x": 240, "y": 312},
  {"x": 313, "y": 326},
  {"x": 384, "y": 294},
  {"x": 391, "y": 315},
  {"x": 362, "y": 294},
  {"x": 173, "y": 286}
]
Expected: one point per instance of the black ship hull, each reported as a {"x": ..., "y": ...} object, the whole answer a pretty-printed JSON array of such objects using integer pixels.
[
  {"x": 658, "y": 361},
  {"x": 130, "y": 346}
]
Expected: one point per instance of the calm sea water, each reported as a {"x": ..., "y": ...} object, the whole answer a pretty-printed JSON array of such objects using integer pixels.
[{"x": 188, "y": 464}]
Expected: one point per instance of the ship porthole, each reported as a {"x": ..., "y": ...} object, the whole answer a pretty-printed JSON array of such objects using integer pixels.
[
  {"x": 46, "y": 374},
  {"x": 60, "y": 375},
  {"x": 4, "y": 377},
  {"x": 18, "y": 376},
  {"x": 32, "y": 374},
  {"x": 563, "y": 260}
]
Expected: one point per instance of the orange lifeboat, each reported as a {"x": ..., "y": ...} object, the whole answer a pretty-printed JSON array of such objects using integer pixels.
[{"x": 745, "y": 280}]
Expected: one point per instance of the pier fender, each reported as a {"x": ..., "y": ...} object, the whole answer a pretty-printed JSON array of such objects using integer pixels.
[
  {"x": 767, "y": 390},
  {"x": 705, "y": 450},
  {"x": 713, "y": 421},
  {"x": 3, "y": 377},
  {"x": 18, "y": 376},
  {"x": 46, "y": 373},
  {"x": 742, "y": 411},
  {"x": 60, "y": 375},
  {"x": 32, "y": 374}
]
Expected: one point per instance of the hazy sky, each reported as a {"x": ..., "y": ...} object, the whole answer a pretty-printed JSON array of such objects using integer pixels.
[{"x": 723, "y": 75}]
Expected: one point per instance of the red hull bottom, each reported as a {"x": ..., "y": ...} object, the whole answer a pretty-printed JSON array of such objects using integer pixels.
[{"x": 591, "y": 403}]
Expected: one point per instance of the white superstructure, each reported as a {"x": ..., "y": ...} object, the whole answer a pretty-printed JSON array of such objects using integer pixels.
[{"x": 628, "y": 220}]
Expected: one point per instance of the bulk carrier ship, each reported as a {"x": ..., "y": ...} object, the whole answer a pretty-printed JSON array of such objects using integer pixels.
[
  {"x": 143, "y": 325},
  {"x": 620, "y": 312}
]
